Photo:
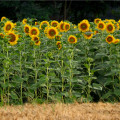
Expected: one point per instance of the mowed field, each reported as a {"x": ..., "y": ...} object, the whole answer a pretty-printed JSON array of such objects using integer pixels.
[{"x": 59, "y": 111}]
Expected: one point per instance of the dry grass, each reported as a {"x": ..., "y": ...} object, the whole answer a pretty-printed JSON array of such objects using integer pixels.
[{"x": 59, "y": 111}]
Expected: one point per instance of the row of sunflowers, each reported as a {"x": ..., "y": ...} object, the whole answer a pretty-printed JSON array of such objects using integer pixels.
[{"x": 51, "y": 61}]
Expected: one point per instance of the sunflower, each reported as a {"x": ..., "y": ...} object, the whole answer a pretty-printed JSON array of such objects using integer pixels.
[
  {"x": 54, "y": 23},
  {"x": 36, "y": 40},
  {"x": 97, "y": 20},
  {"x": 110, "y": 28},
  {"x": 84, "y": 26},
  {"x": 72, "y": 39},
  {"x": 59, "y": 45},
  {"x": 3, "y": 18},
  {"x": 27, "y": 29},
  {"x": 24, "y": 21},
  {"x": 66, "y": 26},
  {"x": 12, "y": 38},
  {"x": 61, "y": 26},
  {"x": 8, "y": 26},
  {"x": 117, "y": 26},
  {"x": 58, "y": 37},
  {"x": 2, "y": 35},
  {"x": 110, "y": 39},
  {"x": 116, "y": 41},
  {"x": 36, "y": 23},
  {"x": 101, "y": 25},
  {"x": 52, "y": 32},
  {"x": 37, "y": 43},
  {"x": 95, "y": 32},
  {"x": 44, "y": 24},
  {"x": 34, "y": 31},
  {"x": 88, "y": 36}
]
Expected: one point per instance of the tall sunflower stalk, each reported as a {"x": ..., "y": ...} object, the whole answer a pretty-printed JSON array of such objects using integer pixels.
[
  {"x": 7, "y": 73},
  {"x": 21, "y": 85},
  {"x": 4, "y": 70},
  {"x": 71, "y": 71},
  {"x": 62, "y": 74},
  {"x": 35, "y": 70}
]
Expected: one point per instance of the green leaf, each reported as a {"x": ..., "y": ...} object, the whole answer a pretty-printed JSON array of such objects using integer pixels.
[
  {"x": 96, "y": 86},
  {"x": 13, "y": 95}
]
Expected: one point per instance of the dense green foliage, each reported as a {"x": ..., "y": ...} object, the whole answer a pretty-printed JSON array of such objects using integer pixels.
[{"x": 88, "y": 70}]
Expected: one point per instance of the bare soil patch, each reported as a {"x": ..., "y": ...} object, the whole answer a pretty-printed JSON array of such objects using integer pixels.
[{"x": 59, "y": 111}]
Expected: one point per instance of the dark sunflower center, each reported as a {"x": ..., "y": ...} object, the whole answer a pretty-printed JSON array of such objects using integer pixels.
[
  {"x": 67, "y": 26},
  {"x": 72, "y": 40},
  {"x": 27, "y": 30},
  {"x": 88, "y": 35},
  {"x": 58, "y": 37},
  {"x": 97, "y": 21},
  {"x": 59, "y": 45},
  {"x": 52, "y": 32},
  {"x": 83, "y": 26},
  {"x": 62, "y": 26},
  {"x": 12, "y": 38},
  {"x": 110, "y": 27},
  {"x": 34, "y": 32},
  {"x": 109, "y": 39},
  {"x": 54, "y": 24},
  {"x": 35, "y": 39},
  {"x": 8, "y": 27},
  {"x": 100, "y": 25}
]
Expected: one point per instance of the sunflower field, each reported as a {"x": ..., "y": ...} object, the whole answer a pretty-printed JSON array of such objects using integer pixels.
[{"x": 52, "y": 61}]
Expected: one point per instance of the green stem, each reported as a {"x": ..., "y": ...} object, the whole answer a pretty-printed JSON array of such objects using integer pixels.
[
  {"x": 47, "y": 80},
  {"x": 89, "y": 80},
  {"x": 21, "y": 77},
  {"x": 62, "y": 73},
  {"x": 8, "y": 77},
  {"x": 35, "y": 70},
  {"x": 71, "y": 74}
]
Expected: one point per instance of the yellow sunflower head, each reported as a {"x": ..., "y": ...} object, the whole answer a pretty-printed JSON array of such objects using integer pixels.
[
  {"x": 8, "y": 26},
  {"x": 95, "y": 32},
  {"x": 58, "y": 37},
  {"x": 24, "y": 21},
  {"x": 2, "y": 35},
  {"x": 97, "y": 20},
  {"x": 44, "y": 24},
  {"x": 116, "y": 41},
  {"x": 36, "y": 23},
  {"x": 52, "y": 32},
  {"x": 27, "y": 29},
  {"x": 66, "y": 26},
  {"x": 88, "y": 36},
  {"x": 61, "y": 26},
  {"x": 13, "y": 38},
  {"x": 110, "y": 39},
  {"x": 37, "y": 43},
  {"x": 3, "y": 18},
  {"x": 36, "y": 40},
  {"x": 59, "y": 45},
  {"x": 101, "y": 25},
  {"x": 117, "y": 26},
  {"x": 34, "y": 31},
  {"x": 110, "y": 28},
  {"x": 54, "y": 23},
  {"x": 72, "y": 39},
  {"x": 83, "y": 26}
]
